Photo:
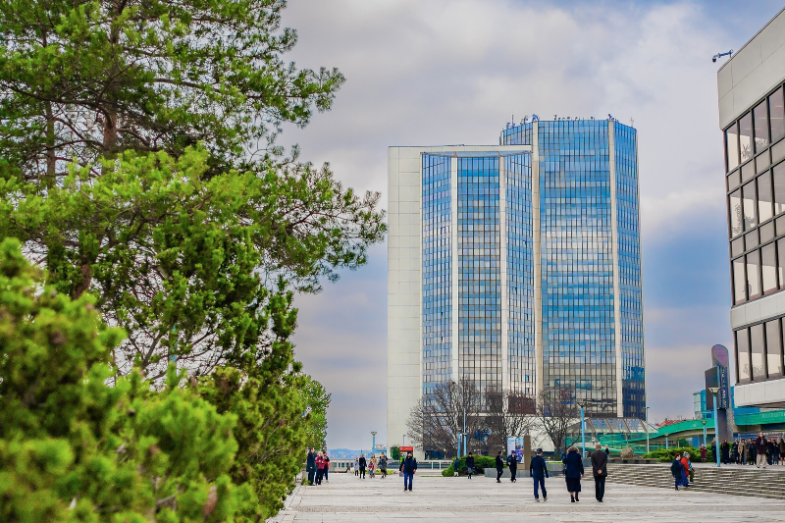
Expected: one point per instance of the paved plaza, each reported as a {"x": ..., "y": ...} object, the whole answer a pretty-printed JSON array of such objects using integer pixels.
[{"x": 439, "y": 499}]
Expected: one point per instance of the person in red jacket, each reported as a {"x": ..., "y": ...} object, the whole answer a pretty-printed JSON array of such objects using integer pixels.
[
  {"x": 320, "y": 464},
  {"x": 685, "y": 462}
]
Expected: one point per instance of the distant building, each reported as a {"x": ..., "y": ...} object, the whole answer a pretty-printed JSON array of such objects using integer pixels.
[
  {"x": 518, "y": 266},
  {"x": 752, "y": 117}
]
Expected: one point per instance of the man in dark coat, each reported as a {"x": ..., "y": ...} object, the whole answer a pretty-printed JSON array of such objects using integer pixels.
[
  {"x": 599, "y": 468},
  {"x": 470, "y": 465},
  {"x": 363, "y": 464},
  {"x": 310, "y": 465},
  {"x": 760, "y": 451},
  {"x": 499, "y": 467},
  {"x": 512, "y": 464},
  {"x": 408, "y": 467},
  {"x": 539, "y": 471}
]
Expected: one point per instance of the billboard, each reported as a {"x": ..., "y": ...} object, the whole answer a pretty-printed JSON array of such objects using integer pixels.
[
  {"x": 515, "y": 444},
  {"x": 717, "y": 378}
]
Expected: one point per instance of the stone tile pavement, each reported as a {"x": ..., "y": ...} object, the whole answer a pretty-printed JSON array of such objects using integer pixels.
[{"x": 348, "y": 499}]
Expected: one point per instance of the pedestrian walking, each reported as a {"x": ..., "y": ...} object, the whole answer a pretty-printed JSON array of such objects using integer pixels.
[
  {"x": 687, "y": 465},
  {"x": 455, "y": 466},
  {"x": 372, "y": 466},
  {"x": 470, "y": 465},
  {"x": 677, "y": 471},
  {"x": 356, "y": 467},
  {"x": 782, "y": 451},
  {"x": 383, "y": 465},
  {"x": 760, "y": 451},
  {"x": 326, "y": 467},
  {"x": 599, "y": 469},
  {"x": 573, "y": 472},
  {"x": 743, "y": 452},
  {"x": 512, "y": 464},
  {"x": 319, "y": 468},
  {"x": 499, "y": 467},
  {"x": 310, "y": 465},
  {"x": 538, "y": 470},
  {"x": 363, "y": 466},
  {"x": 408, "y": 467}
]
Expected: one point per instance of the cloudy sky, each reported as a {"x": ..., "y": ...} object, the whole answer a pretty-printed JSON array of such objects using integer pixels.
[{"x": 432, "y": 72}]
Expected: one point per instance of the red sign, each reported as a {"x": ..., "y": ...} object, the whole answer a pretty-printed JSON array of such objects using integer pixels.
[{"x": 406, "y": 449}]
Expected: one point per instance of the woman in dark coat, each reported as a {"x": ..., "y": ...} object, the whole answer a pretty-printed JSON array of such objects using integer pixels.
[
  {"x": 573, "y": 472},
  {"x": 725, "y": 451}
]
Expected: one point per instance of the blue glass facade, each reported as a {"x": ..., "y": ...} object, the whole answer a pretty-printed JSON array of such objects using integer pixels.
[
  {"x": 479, "y": 272},
  {"x": 436, "y": 271},
  {"x": 520, "y": 275},
  {"x": 480, "y": 294},
  {"x": 579, "y": 333},
  {"x": 630, "y": 281}
]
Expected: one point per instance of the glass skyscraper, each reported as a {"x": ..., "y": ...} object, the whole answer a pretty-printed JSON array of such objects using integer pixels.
[{"x": 518, "y": 266}]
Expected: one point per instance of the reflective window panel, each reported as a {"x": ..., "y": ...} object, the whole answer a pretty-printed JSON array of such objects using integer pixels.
[
  {"x": 765, "y": 197},
  {"x": 773, "y": 349},
  {"x": 777, "y": 115},
  {"x": 743, "y": 356},
  {"x": 745, "y": 137},
  {"x": 761, "y": 116},
  {"x": 736, "y": 213},
  {"x": 779, "y": 188},
  {"x": 758, "y": 351},
  {"x": 740, "y": 281},
  {"x": 753, "y": 275},
  {"x": 748, "y": 207},
  {"x": 769, "y": 268},
  {"x": 732, "y": 147}
]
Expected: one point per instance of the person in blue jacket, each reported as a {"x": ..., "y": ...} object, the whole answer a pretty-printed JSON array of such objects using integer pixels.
[
  {"x": 408, "y": 467},
  {"x": 539, "y": 471},
  {"x": 573, "y": 472}
]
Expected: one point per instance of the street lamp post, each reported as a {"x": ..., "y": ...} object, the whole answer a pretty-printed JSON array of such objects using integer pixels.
[
  {"x": 646, "y": 428},
  {"x": 583, "y": 430},
  {"x": 373, "y": 445},
  {"x": 716, "y": 425},
  {"x": 464, "y": 431}
]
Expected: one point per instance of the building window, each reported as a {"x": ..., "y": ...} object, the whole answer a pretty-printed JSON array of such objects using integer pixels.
[
  {"x": 765, "y": 199},
  {"x": 735, "y": 214},
  {"x": 761, "y": 126},
  {"x": 769, "y": 268},
  {"x": 777, "y": 115},
  {"x": 740, "y": 294},
  {"x": 781, "y": 262},
  {"x": 732, "y": 147},
  {"x": 748, "y": 206},
  {"x": 745, "y": 137},
  {"x": 743, "y": 356},
  {"x": 773, "y": 349},
  {"x": 753, "y": 278},
  {"x": 758, "y": 351}
]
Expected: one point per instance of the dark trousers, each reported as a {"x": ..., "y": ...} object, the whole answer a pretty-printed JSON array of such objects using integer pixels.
[
  {"x": 599, "y": 487},
  {"x": 319, "y": 474},
  {"x": 362, "y": 472},
  {"x": 539, "y": 483},
  {"x": 499, "y": 474},
  {"x": 326, "y": 474},
  {"x": 310, "y": 475},
  {"x": 407, "y": 477},
  {"x": 513, "y": 472}
]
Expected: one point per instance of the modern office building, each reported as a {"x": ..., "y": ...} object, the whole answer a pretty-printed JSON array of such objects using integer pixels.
[
  {"x": 752, "y": 118},
  {"x": 518, "y": 266}
]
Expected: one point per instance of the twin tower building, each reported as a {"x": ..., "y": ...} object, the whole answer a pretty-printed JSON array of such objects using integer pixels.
[{"x": 518, "y": 266}]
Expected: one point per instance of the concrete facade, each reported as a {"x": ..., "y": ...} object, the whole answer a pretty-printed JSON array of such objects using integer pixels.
[{"x": 746, "y": 81}]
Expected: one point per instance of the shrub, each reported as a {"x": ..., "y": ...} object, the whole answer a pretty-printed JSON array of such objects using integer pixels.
[
  {"x": 668, "y": 455},
  {"x": 395, "y": 452},
  {"x": 480, "y": 464}
]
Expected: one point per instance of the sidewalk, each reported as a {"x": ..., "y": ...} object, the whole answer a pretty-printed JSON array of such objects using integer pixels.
[{"x": 482, "y": 500}]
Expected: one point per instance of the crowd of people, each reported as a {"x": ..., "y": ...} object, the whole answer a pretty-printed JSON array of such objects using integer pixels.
[
  {"x": 371, "y": 465},
  {"x": 317, "y": 465},
  {"x": 760, "y": 451}
]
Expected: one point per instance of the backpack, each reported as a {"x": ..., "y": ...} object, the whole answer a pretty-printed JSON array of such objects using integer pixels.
[{"x": 676, "y": 467}]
